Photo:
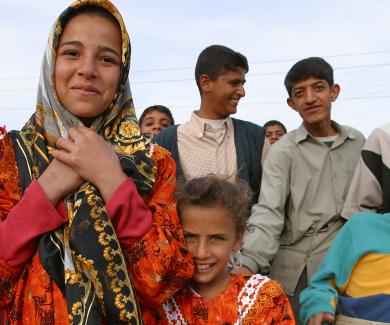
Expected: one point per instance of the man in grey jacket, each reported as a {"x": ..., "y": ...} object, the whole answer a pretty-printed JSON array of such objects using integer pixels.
[{"x": 305, "y": 181}]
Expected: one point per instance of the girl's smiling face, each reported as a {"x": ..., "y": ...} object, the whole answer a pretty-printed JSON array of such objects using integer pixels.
[
  {"x": 88, "y": 65},
  {"x": 211, "y": 236}
]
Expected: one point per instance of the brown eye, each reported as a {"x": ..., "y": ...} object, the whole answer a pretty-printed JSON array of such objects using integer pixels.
[
  {"x": 189, "y": 238},
  {"x": 71, "y": 53}
]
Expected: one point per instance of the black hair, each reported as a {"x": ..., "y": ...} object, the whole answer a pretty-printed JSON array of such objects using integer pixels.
[
  {"x": 216, "y": 60},
  {"x": 275, "y": 122},
  {"x": 306, "y": 68},
  {"x": 212, "y": 191},
  {"x": 160, "y": 108}
]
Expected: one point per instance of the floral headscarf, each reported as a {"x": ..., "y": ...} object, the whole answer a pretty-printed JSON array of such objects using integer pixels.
[{"x": 84, "y": 257}]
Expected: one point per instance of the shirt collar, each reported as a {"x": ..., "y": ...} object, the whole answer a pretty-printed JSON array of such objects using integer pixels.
[
  {"x": 199, "y": 125},
  {"x": 344, "y": 133}
]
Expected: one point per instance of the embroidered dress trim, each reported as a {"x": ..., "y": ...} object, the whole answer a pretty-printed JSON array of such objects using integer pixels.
[
  {"x": 248, "y": 295},
  {"x": 173, "y": 313}
]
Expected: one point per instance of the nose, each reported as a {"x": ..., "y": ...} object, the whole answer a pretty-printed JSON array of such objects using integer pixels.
[
  {"x": 241, "y": 90},
  {"x": 310, "y": 96},
  {"x": 201, "y": 250},
  {"x": 87, "y": 67},
  {"x": 273, "y": 139}
]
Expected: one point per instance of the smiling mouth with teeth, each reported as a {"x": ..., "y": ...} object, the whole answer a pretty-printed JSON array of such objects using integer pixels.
[{"x": 203, "y": 267}]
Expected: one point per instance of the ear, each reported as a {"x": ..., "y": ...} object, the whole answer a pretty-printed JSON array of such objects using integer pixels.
[
  {"x": 205, "y": 83},
  {"x": 334, "y": 92},
  {"x": 290, "y": 102},
  {"x": 238, "y": 243}
]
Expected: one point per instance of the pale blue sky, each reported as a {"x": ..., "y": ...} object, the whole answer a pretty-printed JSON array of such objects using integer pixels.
[{"x": 167, "y": 37}]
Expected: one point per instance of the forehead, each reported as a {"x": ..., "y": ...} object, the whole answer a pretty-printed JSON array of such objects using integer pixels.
[
  {"x": 156, "y": 115},
  {"x": 195, "y": 218},
  {"x": 92, "y": 27},
  {"x": 308, "y": 82},
  {"x": 239, "y": 73},
  {"x": 274, "y": 128}
]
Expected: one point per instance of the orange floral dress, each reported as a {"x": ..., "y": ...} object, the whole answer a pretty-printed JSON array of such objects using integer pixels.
[
  {"x": 248, "y": 300},
  {"x": 158, "y": 263}
]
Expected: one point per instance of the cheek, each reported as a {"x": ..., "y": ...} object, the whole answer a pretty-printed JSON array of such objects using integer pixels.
[
  {"x": 224, "y": 252},
  {"x": 59, "y": 82},
  {"x": 112, "y": 79},
  {"x": 62, "y": 75},
  {"x": 191, "y": 247}
]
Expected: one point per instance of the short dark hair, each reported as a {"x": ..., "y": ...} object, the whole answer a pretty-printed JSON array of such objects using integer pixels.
[
  {"x": 212, "y": 191},
  {"x": 160, "y": 108},
  {"x": 216, "y": 60},
  {"x": 275, "y": 122},
  {"x": 306, "y": 68}
]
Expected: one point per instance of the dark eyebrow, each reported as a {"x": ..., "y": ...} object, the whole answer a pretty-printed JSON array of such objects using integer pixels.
[
  {"x": 189, "y": 233},
  {"x": 238, "y": 80},
  {"x": 77, "y": 43},
  {"x": 101, "y": 48},
  {"x": 109, "y": 49},
  {"x": 219, "y": 235}
]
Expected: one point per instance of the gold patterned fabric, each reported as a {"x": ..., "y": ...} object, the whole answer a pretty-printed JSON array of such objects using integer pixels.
[{"x": 84, "y": 257}]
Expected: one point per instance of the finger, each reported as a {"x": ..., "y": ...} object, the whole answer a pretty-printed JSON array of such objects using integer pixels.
[
  {"x": 75, "y": 134},
  {"x": 329, "y": 318},
  {"x": 84, "y": 129},
  {"x": 61, "y": 156},
  {"x": 315, "y": 319},
  {"x": 65, "y": 144}
]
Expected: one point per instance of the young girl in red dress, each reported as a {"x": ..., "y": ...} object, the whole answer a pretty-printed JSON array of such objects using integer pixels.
[{"x": 213, "y": 215}]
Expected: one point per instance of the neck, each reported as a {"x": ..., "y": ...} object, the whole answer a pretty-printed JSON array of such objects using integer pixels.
[
  {"x": 87, "y": 121},
  {"x": 323, "y": 129},
  {"x": 212, "y": 289},
  {"x": 206, "y": 110}
]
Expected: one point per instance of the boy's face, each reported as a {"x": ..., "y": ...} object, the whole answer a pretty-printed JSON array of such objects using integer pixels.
[
  {"x": 312, "y": 98},
  {"x": 273, "y": 133},
  {"x": 224, "y": 93}
]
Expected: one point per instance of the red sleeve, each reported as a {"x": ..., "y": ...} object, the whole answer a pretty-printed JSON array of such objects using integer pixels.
[
  {"x": 33, "y": 216},
  {"x": 129, "y": 214}
]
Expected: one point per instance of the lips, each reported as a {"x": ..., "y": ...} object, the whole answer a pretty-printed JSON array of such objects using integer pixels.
[
  {"x": 203, "y": 268},
  {"x": 235, "y": 101},
  {"x": 85, "y": 89},
  {"x": 312, "y": 108}
]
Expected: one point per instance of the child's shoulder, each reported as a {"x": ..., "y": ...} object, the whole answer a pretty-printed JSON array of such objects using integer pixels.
[
  {"x": 257, "y": 282},
  {"x": 259, "y": 296}
]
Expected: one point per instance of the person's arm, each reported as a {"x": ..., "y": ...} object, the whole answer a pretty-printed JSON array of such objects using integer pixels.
[
  {"x": 319, "y": 300},
  {"x": 365, "y": 192},
  {"x": 261, "y": 240},
  {"x": 23, "y": 221},
  {"x": 33, "y": 216},
  {"x": 159, "y": 263},
  {"x": 265, "y": 151},
  {"x": 128, "y": 212}
]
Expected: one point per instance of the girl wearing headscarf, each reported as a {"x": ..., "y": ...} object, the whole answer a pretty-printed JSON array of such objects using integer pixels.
[{"x": 88, "y": 223}]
